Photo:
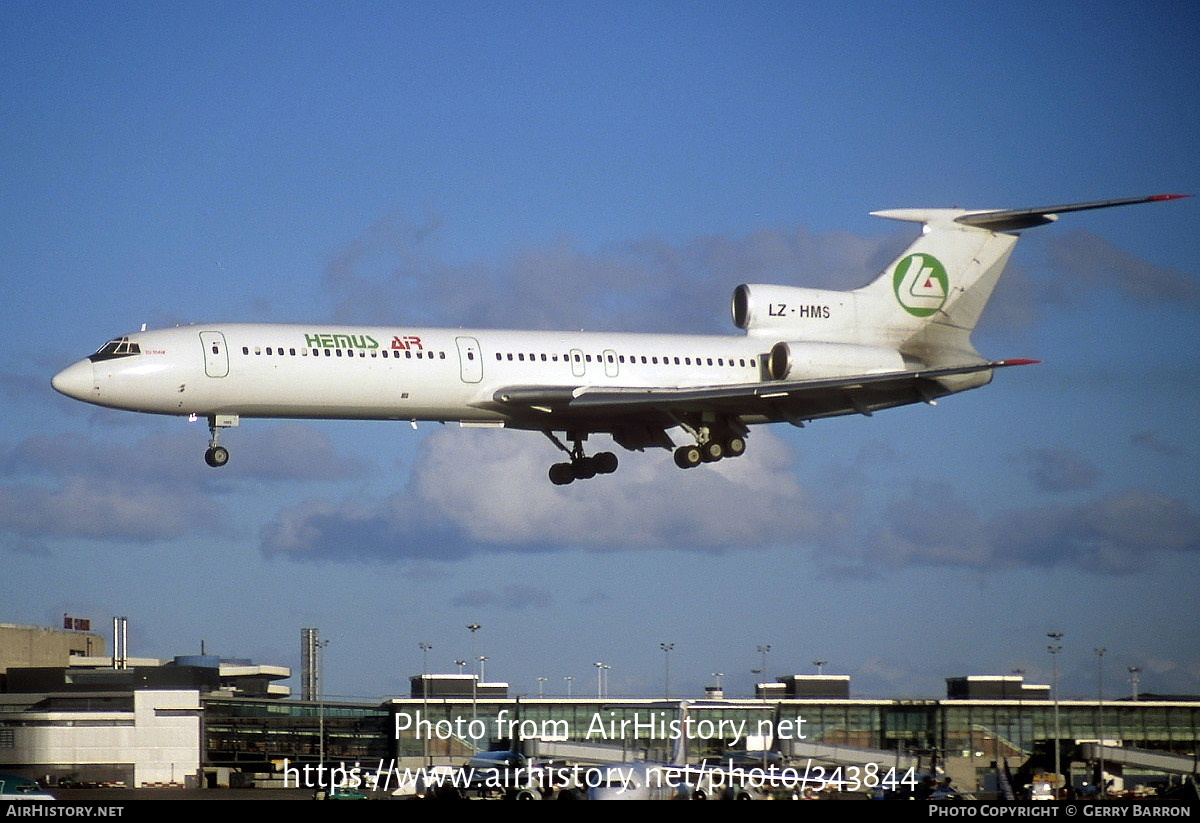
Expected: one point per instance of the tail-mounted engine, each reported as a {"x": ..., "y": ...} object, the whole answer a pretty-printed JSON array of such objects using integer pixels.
[
  {"x": 798, "y": 360},
  {"x": 818, "y": 313}
]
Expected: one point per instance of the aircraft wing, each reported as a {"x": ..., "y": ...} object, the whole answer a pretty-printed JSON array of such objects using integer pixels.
[{"x": 778, "y": 399}]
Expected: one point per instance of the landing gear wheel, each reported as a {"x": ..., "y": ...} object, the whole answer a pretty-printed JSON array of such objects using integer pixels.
[
  {"x": 735, "y": 446},
  {"x": 584, "y": 468},
  {"x": 216, "y": 456},
  {"x": 561, "y": 474},
  {"x": 711, "y": 452},
  {"x": 687, "y": 456},
  {"x": 605, "y": 463}
]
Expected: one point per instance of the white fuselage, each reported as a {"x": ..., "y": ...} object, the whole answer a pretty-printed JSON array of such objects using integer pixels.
[{"x": 390, "y": 373}]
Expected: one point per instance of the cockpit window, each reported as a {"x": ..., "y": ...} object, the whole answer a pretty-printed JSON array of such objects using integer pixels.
[{"x": 121, "y": 347}]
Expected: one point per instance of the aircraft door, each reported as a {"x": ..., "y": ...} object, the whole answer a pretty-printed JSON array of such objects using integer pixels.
[
  {"x": 216, "y": 356},
  {"x": 470, "y": 361},
  {"x": 610, "y": 363},
  {"x": 578, "y": 367}
]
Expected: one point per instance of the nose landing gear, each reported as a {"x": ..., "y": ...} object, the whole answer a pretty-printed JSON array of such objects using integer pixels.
[
  {"x": 217, "y": 456},
  {"x": 580, "y": 467}
]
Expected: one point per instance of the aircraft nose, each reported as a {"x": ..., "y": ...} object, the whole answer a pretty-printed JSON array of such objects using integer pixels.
[{"x": 76, "y": 381}]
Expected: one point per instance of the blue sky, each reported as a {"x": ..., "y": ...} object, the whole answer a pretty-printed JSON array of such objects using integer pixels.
[{"x": 607, "y": 166}]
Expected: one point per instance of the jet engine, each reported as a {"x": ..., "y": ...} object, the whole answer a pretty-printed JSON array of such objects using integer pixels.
[
  {"x": 819, "y": 312},
  {"x": 801, "y": 359}
]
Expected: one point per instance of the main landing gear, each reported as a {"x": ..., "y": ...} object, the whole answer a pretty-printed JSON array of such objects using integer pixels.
[
  {"x": 716, "y": 438},
  {"x": 580, "y": 467},
  {"x": 710, "y": 451},
  {"x": 713, "y": 442}
]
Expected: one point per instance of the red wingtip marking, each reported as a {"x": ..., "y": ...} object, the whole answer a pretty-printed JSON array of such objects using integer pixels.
[
  {"x": 1168, "y": 196},
  {"x": 1017, "y": 362}
]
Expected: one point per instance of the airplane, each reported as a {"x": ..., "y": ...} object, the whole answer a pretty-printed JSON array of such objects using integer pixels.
[{"x": 805, "y": 354}]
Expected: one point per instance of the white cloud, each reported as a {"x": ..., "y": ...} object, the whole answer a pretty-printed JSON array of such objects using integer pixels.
[{"x": 473, "y": 490}]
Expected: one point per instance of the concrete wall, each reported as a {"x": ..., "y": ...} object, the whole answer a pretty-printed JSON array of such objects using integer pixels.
[
  {"x": 159, "y": 740},
  {"x": 25, "y": 646}
]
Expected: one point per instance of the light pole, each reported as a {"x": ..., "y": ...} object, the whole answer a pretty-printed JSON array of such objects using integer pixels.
[
  {"x": 462, "y": 664},
  {"x": 1100, "y": 714},
  {"x": 599, "y": 679},
  {"x": 1020, "y": 735},
  {"x": 318, "y": 645},
  {"x": 763, "y": 650},
  {"x": 482, "y": 660},
  {"x": 425, "y": 647},
  {"x": 1054, "y": 648},
  {"x": 568, "y": 678},
  {"x": 474, "y": 627},
  {"x": 820, "y": 664},
  {"x": 542, "y": 686},
  {"x": 666, "y": 647}
]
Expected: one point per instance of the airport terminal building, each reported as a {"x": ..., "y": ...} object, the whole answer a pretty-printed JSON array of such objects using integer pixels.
[
  {"x": 198, "y": 721},
  {"x": 190, "y": 738}
]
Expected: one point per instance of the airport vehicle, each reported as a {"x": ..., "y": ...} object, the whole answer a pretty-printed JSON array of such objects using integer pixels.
[
  {"x": 14, "y": 787},
  {"x": 806, "y": 354}
]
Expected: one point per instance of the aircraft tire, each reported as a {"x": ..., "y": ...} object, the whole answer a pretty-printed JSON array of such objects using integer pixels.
[
  {"x": 561, "y": 474},
  {"x": 584, "y": 468},
  {"x": 712, "y": 451},
  {"x": 735, "y": 446},
  {"x": 217, "y": 456},
  {"x": 606, "y": 462},
  {"x": 687, "y": 456}
]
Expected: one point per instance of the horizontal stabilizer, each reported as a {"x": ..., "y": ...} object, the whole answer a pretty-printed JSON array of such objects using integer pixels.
[{"x": 1016, "y": 219}]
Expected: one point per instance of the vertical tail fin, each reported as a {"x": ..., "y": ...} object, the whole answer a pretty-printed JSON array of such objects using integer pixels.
[{"x": 928, "y": 301}]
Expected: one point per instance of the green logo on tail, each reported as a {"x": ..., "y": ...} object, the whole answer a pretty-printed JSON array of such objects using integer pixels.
[{"x": 921, "y": 284}]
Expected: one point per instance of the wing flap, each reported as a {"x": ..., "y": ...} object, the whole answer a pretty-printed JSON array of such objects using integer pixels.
[{"x": 618, "y": 399}]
